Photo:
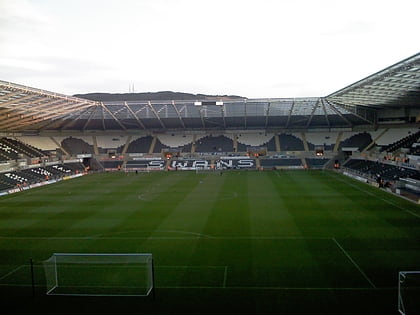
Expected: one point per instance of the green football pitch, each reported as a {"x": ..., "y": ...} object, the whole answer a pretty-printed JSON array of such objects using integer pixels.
[{"x": 272, "y": 242}]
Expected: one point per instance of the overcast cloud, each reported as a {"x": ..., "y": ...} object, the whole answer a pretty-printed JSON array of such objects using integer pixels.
[{"x": 267, "y": 48}]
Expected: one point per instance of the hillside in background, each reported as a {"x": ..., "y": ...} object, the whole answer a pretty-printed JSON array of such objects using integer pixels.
[{"x": 153, "y": 96}]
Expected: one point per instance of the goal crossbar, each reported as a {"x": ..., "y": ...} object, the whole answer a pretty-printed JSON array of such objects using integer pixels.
[{"x": 99, "y": 274}]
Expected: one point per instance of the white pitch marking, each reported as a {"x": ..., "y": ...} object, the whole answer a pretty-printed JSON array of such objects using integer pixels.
[{"x": 354, "y": 263}]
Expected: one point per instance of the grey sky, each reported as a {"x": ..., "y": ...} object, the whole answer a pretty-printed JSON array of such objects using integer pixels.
[{"x": 263, "y": 48}]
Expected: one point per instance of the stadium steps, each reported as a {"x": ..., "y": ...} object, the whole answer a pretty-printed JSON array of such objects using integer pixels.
[
  {"x": 127, "y": 143},
  {"x": 277, "y": 142},
  {"x": 95, "y": 145},
  {"x": 59, "y": 146},
  {"x": 370, "y": 145},
  {"x": 235, "y": 143},
  {"x": 405, "y": 142},
  {"x": 152, "y": 145},
  {"x": 305, "y": 143},
  {"x": 193, "y": 145},
  {"x": 337, "y": 142}
]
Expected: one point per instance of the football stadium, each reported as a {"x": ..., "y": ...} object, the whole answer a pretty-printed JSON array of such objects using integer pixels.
[{"x": 193, "y": 204}]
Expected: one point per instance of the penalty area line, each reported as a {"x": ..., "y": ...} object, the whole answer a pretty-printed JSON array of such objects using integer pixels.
[
  {"x": 12, "y": 272},
  {"x": 353, "y": 262}
]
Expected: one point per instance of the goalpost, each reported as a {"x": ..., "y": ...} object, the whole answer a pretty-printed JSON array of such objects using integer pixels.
[
  {"x": 140, "y": 168},
  {"x": 408, "y": 292},
  {"x": 199, "y": 170},
  {"x": 99, "y": 274}
]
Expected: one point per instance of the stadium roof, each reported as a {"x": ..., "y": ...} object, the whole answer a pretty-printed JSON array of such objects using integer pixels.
[
  {"x": 395, "y": 86},
  {"x": 28, "y": 109}
]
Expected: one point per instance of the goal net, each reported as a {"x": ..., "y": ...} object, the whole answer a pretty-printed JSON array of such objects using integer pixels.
[
  {"x": 99, "y": 274},
  {"x": 140, "y": 168},
  {"x": 408, "y": 292},
  {"x": 200, "y": 170}
]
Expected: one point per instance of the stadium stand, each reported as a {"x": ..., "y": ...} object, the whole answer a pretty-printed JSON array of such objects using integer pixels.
[
  {"x": 112, "y": 165},
  {"x": 159, "y": 146},
  {"x": 106, "y": 143},
  {"x": 326, "y": 140},
  {"x": 22, "y": 148},
  {"x": 271, "y": 145},
  {"x": 289, "y": 142},
  {"x": 377, "y": 170},
  {"x": 139, "y": 145},
  {"x": 11, "y": 149},
  {"x": 28, "y": 176},
  {"x": 214, "y": 144},
  {"x": 247, "y": 140},
  {"x": 45, "y": 144},
  {"x": 284, "y": 162},
  {"x": 357, "y": 141},
  {"x": 391, "y": 135},
  {"x": 315, "y": 163},
  {"x": 172, "y": 140},
  {"x": 7, "y": 152},
  {"x": 76, "y": 146},
  {"x": 405, "y": 142},
  {"x": 186, "y": 148}
]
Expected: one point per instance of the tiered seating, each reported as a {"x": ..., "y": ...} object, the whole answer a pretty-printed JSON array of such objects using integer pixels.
[
  {"x": 140, "y": 145},
  {"x": 23, "y": 148},
  {"x": 7, "y": 152},
  {"x": 71, "y": 168},
  {"x": 36, "y": 174},
  {"x": 359, "y": 141},
  {"x": 392, "y": 135},
  {"x": 316, "y": 163},
  {"x": 405, "y": 142},
  {"x": 10, "y": 180},
  {"x": 271, "y": 145},
  {"x": 159, "y": 146},
  {"x": 13, "y": 178},
  {"x": 381, "y": 170},
  {"x": 214, "y": 144},
  {"x": 38, "y": 142},
  {"x": 106, "y": 143},
  {"x": 112, "y": 165},
  {"x": 58, "y": 169},
  {"x": 4, "y": 186},
  {"x": 256, "y": 140},
  {"x": 241, "y": 147},
  {"x": 325, "y": 140},
  {"x": 76, "y": 146},
  {"x": 185, "y": 148},
  {"x": 288, "y": 162},
  {"x": 290, "y": 143}
]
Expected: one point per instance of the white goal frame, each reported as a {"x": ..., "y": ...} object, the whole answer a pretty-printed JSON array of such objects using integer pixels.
[
  {"x": 199, "y": 170},
  {"x": 112, "y": 264},
  {"x": 140, "y": 168},
  {"x": 402, "y": 275}
]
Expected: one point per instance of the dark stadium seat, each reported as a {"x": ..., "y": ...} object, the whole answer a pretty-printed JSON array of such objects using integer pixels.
[
  {"x": 405, "y": 142},
  {"x": 76, "y": 146},
  {"x": 290, "y": 143},
  {"x": 269, "y": 163},
  {"x": 377, "y": 169},
  {"x": 210, "y": 144},
  {"x": 359, "y": 141},
  {"x": 140, "y": 145},
  {"x": 316, "y": 162}
]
